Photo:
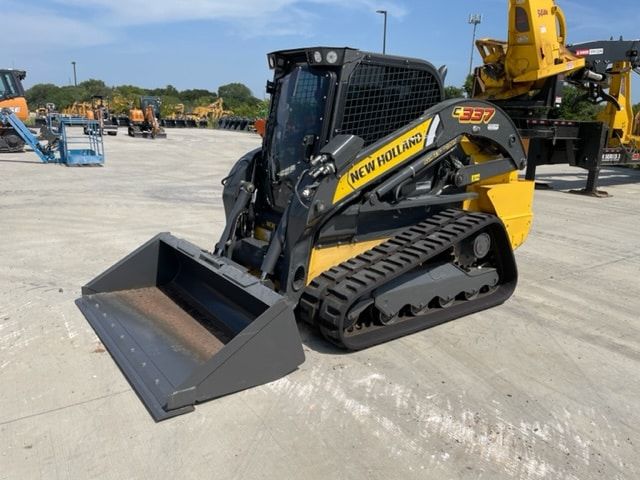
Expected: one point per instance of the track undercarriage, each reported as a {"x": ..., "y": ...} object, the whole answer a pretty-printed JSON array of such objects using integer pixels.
[
  {"x": 451, "y": 265},
  {"x": 137, "y": 131},
  {"x": 10, "y": 142}
]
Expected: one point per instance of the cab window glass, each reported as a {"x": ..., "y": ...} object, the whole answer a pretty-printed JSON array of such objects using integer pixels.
[
  {"x": 522, "y": 20},
  {"x": 3, "y": 88}
]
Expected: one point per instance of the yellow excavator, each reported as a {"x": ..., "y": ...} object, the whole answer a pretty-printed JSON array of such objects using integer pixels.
[
  {"x": 180, "y": 118},
  {"x": 78, "y": 109},
  {"x": 12, "y": 97},
  {"x": 525, "y": 76},
  {"x": 212, "y": 112},
  {"x": 373, "y": 209}
]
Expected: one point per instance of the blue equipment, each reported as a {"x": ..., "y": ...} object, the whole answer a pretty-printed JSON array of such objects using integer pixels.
[{"x": 63, "y": 145}]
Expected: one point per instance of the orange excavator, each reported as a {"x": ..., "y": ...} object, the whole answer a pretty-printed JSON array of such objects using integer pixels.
[{"x": 144, "y": 122}]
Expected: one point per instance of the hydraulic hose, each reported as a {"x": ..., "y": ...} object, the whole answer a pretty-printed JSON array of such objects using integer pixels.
[{"x": 244, "y": 197}]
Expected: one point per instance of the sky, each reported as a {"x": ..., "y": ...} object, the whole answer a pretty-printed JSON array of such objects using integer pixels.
[{"x": 208, "y": 43}]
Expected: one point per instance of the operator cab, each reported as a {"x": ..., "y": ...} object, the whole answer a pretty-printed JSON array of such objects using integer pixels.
[
  {"x": 155, "y": 103},
  {"x": 320, "y": 92}
]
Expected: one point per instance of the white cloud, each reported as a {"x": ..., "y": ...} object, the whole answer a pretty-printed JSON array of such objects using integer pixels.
[
  {"x": 86, "y": 23},
  {"x": 137, "y": 12},
  {"x": 45, "y": 31},
  {"x": 265, "y": 12}
]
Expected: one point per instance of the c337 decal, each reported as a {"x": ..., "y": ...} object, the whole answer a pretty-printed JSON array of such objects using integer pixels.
[
  {"x": 474, "y": 114},
  {"x": 384, "y": 159}
]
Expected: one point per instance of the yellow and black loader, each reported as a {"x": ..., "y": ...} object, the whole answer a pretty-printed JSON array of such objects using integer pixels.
[{"x": 374, "y": 209}]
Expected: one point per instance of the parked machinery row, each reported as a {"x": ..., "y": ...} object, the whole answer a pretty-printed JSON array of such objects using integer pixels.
[
  {"x": 236, "y": 123},
  {"x": 179, "y": 119}
]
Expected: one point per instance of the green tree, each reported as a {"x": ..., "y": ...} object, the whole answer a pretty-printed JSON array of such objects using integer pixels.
[
  {"x": 453, "y": 92},
  {"x": 41, "y": 93},
  {"x": 198, "y": 96},
  {"x": 575, "y": 107},
  {"x": 95, "y": 87},
  {"x": 262, "y": 109},
  {"x": 69, "y": 94},
  {"x": 128, "y": 91},
  {"x": 636, "y": 108},
  {"x": 468, "y": 85},
  {"x": 168, "y": 104},
  {"x": 238, "y": 97},
  {"x": 169, "y": 91}
]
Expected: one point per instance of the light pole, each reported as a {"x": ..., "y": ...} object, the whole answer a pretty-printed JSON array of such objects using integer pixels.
[
  {"x": 75, "y": 78},
  {"x": 384, "y": 34},
  {"x": 475, "y": 19}
]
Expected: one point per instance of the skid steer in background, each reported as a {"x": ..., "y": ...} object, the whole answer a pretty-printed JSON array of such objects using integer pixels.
[
  {"x": 144, "y": 122},
  {"x": 12, "y": 98},
  {"x": 373, "y": 210}
]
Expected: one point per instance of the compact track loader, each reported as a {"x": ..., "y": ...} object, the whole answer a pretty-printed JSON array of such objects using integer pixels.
[{"x": 374, "y": 209}]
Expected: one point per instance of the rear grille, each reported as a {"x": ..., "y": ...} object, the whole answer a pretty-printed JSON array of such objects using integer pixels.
[{"x": 382, "y": 98}]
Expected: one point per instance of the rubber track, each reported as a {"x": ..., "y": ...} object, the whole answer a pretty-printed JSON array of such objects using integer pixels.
[
  {"x": 3, "y": 144},
  {"x": 338, "y": 289},
  {"x": 314, "y": 293}
]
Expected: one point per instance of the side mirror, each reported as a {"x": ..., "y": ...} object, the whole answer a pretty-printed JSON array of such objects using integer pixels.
[{"x": 343, "y": 149}]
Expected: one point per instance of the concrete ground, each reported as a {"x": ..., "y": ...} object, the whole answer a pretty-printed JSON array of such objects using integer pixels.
[{"x": 545, "y": 386}]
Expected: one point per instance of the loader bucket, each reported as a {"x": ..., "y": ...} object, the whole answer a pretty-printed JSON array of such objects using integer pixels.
[{"x": 185, "y": 326}]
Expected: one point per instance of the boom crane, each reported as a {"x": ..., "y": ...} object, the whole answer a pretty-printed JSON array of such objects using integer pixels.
[
  {"x": 525, "y": 76},
  {"x": 614, "y": 61}
]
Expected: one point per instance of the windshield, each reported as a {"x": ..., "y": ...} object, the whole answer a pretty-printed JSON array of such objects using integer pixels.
[
  {"x": 7, "y": 86},
  {"x": 299, "y": 116},
  {"x": 154, "y": 102}
]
